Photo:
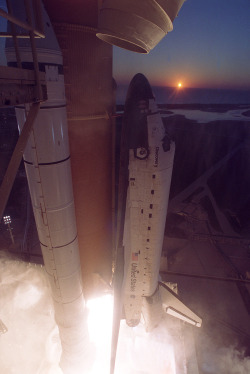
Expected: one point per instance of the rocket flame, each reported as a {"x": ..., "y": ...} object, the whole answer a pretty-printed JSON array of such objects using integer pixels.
[
  {"x": 138, "y": 351},
  {"x": 100, "y": 328}
]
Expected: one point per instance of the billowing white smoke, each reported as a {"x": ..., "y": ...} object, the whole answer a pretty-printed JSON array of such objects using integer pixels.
[
  {"x": 32, "y": 345},
  {"x": 223, "y": 360}
]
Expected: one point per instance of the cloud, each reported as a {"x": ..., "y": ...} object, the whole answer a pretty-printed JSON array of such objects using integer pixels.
[{"x": 32, "y": 339}]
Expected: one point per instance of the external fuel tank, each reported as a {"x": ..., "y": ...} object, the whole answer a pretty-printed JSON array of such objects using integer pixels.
[{"x": 90, "y": 101}]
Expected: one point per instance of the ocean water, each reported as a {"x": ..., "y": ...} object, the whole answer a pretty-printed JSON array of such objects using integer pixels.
[{"x": 171, "y": 95}]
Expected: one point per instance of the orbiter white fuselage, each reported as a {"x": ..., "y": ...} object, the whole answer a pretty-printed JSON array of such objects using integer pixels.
[
  {"x": 146, "y": 163},
  {"x": 150, "y": 172}
]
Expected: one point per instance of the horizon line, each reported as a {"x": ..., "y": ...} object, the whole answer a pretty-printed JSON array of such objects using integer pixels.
[{"x": 190, "y": 87}]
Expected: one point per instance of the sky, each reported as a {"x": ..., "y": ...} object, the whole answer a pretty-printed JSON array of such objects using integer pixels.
[{"x": 209, "y": 47}]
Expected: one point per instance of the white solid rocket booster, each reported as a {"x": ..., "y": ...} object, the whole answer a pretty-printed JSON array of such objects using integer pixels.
[{"x": 47, "y": 163}]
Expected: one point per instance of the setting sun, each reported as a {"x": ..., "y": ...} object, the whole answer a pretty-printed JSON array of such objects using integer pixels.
[{"x": 179, "y": 84}]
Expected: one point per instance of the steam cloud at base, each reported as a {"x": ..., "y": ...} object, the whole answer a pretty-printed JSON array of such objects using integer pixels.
[{"x": 31, "y": 344}]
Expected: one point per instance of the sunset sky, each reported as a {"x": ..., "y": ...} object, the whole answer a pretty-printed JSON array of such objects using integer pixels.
[{"x": 209, "y": 47}]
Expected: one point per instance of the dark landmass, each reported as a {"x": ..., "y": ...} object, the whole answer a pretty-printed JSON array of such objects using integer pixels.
[
  {"x": 199, "y": 148},
  {"x": 218, "y": 108},
  {"x": 166, "y": 112},
  {"x": 247, "y": 113}
]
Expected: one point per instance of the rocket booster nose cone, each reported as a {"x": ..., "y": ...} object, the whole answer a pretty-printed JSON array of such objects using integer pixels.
[
  {"x": 45, "y": 46},
  {"x": 139, "y": 89}
]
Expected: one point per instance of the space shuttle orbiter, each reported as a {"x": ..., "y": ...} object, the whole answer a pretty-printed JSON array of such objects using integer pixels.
[{"x": 147, "y": 155}]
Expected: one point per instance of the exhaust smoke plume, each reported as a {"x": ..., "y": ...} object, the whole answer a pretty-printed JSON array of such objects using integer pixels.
[
  {"x": 223, "y": 360},
  {"x": 31, "y": 344}
]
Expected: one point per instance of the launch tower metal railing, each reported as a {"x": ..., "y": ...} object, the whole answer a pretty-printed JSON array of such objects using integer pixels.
[{"x": 21, "y": 86}]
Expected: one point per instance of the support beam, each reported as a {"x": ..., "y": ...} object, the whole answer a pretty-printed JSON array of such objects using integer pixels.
[
  {"x": 20, "y": 23},
  {"x": 19, "y": 86},
  {"x": 16, "y": 158}
]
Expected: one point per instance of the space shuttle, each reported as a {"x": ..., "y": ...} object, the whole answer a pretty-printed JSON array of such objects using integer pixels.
[
  {"x": 146, "y": 163},
  {"x": 72, "y": 211}
]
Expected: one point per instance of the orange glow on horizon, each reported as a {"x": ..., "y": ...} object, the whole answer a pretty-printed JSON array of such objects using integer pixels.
[{"x": 179, "y": 85}]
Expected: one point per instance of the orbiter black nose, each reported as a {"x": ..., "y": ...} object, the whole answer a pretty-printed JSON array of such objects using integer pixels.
[{"x": 139, "y": 89}]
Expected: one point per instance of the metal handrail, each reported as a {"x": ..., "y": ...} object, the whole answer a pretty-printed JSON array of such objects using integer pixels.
[
  {"x": 14, "y": 163},
  {"x": 4, "y": 34},
  {"x": 24, "y": 25},
  {"x": 33, "y": 48},
  {"x": 32, "y": 33},
  {"x": 13, "y": 29}
]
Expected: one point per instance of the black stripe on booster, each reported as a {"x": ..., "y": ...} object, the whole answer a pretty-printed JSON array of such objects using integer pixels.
[
  {"x": 44, "y": 107},
  {"x": 60, "y": 246},
  {"x": 28, "y": 162},
  {"x": 48, "y": 163}
]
